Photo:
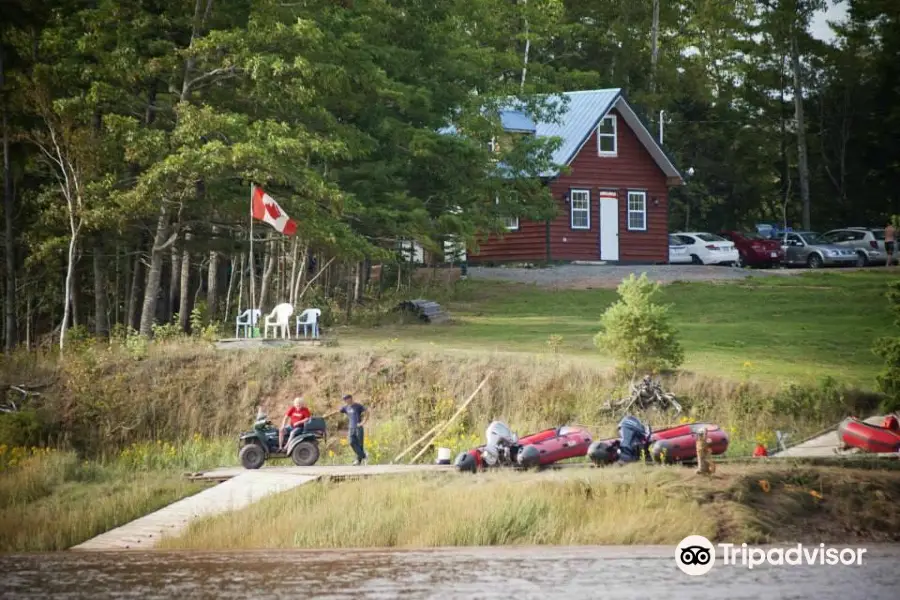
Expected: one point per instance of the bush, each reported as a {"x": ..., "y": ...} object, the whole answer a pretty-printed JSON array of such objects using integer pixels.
[
  {"x": 637, "y": 332},
  {"x": 888, "y": 349},
  {"x": 21, "y": 428}
]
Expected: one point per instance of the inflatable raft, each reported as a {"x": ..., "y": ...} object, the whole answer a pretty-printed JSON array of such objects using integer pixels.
[
  {"x": 670, "y": 445},
  {"x": 534, "y": 450},
  {"x": 870, "y": 438}
]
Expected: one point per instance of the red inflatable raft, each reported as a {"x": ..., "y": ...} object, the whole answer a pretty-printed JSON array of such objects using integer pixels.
[
  {"x": 870, "y": 438},
  {"x": 538, "y": 449},
  {"x": 679, "y": 443},
  {"x": 669, "y": 445}
]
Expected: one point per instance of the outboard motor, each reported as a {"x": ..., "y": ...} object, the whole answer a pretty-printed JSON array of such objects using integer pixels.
[
  {"x": 499, "y": 440},
  {"x": 634, "y": 437}
]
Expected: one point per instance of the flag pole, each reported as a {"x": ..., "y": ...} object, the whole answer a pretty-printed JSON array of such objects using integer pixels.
[{"x": 252, "y": 268}]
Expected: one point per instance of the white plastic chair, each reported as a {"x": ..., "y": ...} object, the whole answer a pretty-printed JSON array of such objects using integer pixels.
[
  {"x": 245, "y": 321},
  {"x": 309, "y": 319},
  {"x": 280, "y": 317}
]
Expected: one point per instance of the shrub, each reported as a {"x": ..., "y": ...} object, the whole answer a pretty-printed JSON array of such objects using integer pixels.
[
  {"x": 637, "y": 332},
  {"x": 888, "y": 349}
]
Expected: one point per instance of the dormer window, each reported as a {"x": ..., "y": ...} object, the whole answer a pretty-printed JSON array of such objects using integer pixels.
[{"x": 606, "y": 137}]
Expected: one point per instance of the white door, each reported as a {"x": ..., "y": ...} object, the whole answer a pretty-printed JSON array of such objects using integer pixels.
[{"x": 609, "y": 226}]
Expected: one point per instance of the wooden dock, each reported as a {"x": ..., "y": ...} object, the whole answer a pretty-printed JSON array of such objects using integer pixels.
[
  {"x": 252, "y": 343},
  {"x": 238, "y": 488},
  {"x": 235, "y": 493}
]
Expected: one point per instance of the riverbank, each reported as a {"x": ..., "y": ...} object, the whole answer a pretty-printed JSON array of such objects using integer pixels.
[
  {"x": 103, "y": 399},
  {"x": 764, "y": 503}
]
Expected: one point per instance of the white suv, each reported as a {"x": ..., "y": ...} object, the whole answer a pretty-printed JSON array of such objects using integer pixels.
[{"x": 868, "y": 243}]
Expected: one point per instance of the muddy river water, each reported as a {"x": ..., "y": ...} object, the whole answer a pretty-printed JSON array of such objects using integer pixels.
[{"x": 617, "y": 573}]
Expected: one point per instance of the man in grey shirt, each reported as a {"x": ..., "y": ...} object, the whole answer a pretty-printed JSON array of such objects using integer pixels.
[{"x": 357, "y": 416}]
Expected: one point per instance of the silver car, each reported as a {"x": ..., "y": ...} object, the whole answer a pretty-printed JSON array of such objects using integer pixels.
[
  {"x": 868, "y": 243},
  {"x": 808, "y": 248}
]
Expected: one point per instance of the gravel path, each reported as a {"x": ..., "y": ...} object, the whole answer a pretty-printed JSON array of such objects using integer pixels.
[{"x": 603, "y": 276}]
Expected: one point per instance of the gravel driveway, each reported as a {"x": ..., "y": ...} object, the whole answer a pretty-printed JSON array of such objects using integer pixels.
[{"x": 603, "y": 276}]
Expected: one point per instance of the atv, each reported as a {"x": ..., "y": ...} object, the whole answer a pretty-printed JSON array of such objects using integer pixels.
[{"x": 256, "y": 446}]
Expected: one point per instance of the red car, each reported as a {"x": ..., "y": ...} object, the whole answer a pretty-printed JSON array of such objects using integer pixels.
[{"x": 754, "y": 249}]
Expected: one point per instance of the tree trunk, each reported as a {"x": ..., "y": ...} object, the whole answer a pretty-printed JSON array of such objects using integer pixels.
[
  {"x": 230, "y": 289},
  {"x": 803, "y": 164},
  {"x": 303, "y": 261},
  {"x": 212, "y": 280},
  {"x": 28, "y": 309},
  {"x": 290, "y": 286},
  {"x": 267, "y": 275},
  {"x": 174, "y": 278},
  {"x": 117, "y": 286},
  {"x": 154, "y": 274},
  {"x": 132, "y": 318},
  {"x": 184, "y": 310},
  {"x": 11, "y": 334},
  {"x": 654, "y": 46},
  {"x": 527, "y": 50},
  {"x": 70, "y": 276},
  {"x": 101, "y": 301}
]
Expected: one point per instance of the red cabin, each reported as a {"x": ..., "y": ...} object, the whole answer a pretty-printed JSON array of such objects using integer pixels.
[{"x": 614, "y": 204}]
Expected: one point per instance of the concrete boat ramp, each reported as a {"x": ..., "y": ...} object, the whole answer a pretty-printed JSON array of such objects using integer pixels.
[
  {"x": 826, "y": 444},
  {"x": 239, "y": 488}
]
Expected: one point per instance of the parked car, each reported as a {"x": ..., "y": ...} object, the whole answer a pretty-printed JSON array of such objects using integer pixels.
[
  {"x": 754, "y": 249},
  {"x": 868, "y": 243},
  {"x": 808, "y": 248},
  {"x": 709, "y": 249},
  {"x": 678, "y": 251}
]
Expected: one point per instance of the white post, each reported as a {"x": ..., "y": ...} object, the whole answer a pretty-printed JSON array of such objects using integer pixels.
[
  {"x": 252, "y": 269},
  {"x": 661, "y": 117}
]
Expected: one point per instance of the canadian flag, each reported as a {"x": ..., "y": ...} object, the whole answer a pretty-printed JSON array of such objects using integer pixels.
[{"x": 264, "y": 208}]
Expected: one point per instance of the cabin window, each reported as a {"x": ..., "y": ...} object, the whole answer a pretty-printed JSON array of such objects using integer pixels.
[
  {"x": 606, "y": 137},
  {"x": 637, "y": 211},
  {"x": 580, "y": 209},
  {"x": 512, "y": 223}
]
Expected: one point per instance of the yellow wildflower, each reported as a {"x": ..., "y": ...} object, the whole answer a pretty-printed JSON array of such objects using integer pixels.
[{"x": 764, "y": 485}]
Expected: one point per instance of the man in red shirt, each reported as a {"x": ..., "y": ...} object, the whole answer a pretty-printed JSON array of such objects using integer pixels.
[{"x": 298, "y": 415}]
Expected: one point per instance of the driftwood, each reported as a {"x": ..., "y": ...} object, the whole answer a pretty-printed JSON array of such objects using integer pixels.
[
  {"x": 451, "y": 419},
  {"x": 644, "y": 395},
  {"x": 26, "y": 390}
]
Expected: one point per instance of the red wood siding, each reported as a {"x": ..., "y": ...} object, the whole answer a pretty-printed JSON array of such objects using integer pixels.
[{"x": 632, "y": 169}]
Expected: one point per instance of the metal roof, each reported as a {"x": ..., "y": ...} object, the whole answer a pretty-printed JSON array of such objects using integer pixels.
[
  {"x": 581, "y": 113},
  {"x": 517, "y": 121}
]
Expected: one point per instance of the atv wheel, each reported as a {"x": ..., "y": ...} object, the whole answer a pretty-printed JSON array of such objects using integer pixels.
[
  {"x": 252, "y": 456},
  {"x": 305, "y": 454}
]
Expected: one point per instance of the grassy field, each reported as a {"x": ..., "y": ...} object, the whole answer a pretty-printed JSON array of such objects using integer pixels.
[
  {"x": 768, "y": 328},
  {"x": 632, "y": 505}
]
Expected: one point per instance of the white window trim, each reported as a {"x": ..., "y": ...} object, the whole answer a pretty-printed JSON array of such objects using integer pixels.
[
  {"x": 629, "y": 211},
  {"x": 512, "y": 223},
  {"x": 614, "y": 134},
  {"x": 572, "y": 209}
]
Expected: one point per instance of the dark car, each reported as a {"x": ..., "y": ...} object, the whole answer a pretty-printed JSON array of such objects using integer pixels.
[{"x": 754, "y": 249}]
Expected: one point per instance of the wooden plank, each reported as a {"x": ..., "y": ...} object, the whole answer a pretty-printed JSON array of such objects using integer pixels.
[{"x": 244, "y": 489}]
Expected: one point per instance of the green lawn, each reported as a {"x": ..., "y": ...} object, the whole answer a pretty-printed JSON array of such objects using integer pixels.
[{"x": 785, "y": 328}]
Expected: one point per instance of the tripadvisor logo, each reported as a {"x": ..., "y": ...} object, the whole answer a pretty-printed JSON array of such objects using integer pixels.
[{"x": 696, "y": 555}]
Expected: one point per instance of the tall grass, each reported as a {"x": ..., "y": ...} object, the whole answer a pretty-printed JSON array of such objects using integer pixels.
[
  {"x": 634, "y": 505},
  {"x": 51, "y": 500}
]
